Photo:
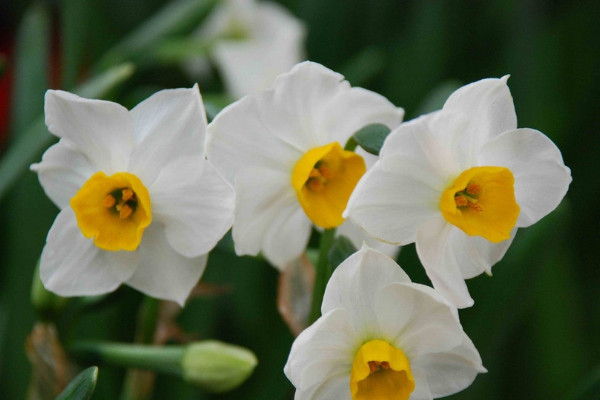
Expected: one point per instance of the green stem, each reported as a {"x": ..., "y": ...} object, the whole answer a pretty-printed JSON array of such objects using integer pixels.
[
  {"x": 323, "y": 272},
  {"x": 138, "y": 385},
  {"x": 164, "y": 359}
]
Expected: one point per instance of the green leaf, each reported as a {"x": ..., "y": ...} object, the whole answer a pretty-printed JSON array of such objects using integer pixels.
[
  {"x": 31, "y": 68},
  {"x": 35, "y": 139},
  {"x": 176, "y": 18},
  {"x": 82, "y": 387},
  {"x": 371, "y": 137},
  {"x": 342, "y": 248},
  {"x": 75, "y": 27}
]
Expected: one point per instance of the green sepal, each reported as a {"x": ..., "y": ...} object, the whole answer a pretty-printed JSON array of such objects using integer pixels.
[
  {"x": 341, "y": 249},
  {"x": 371, "y": 137},
  {"x": 82, "y": 386}
]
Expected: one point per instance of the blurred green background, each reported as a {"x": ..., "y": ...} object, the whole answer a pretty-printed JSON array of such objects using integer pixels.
[{"x": 536, "y": 323}]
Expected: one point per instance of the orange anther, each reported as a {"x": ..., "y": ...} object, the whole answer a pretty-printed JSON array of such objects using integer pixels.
[
  {"x": 127, "y": 194},
  {"x": 461, "y": 201},
  {"x": 314, "y": 173},
  {"x": 385, "y": 365},
  {"x": 315, "y": 184},
  {"x": 325, "y": 171},
  {"x": 125, "y": 211},
  {"x": 373, "y": 366},
  {"x": 109, "y": 201},
  {"x": 474, "y": 206},
  {"x": 473, "y": 189}
]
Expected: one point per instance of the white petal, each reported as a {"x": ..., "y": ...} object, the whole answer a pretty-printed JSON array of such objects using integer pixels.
[
  {"x": 352, "y": 110},
  {"x": 357, "y": 236},
  {"x": 238, "y": 138},
  {"x": 72, "y": 265},
  {"x": 433, "y": 246},
  {"x": 100, "y": 129},
  {"x": 308, "y": 107},
  {"x": 274, "y": 46},
  {"x": 336, "y": 387},
  {"x": 162, "y": 272},
  {"x": 489, "y": 107},
  {"x": 415, "y": 321},
  {"x": 541, "y": 177},
  {"x": 421, "y": 391},
  {"x": 268, "y": 217},
  {"x": 474, "y": 254},
  {"x": 449, "y": 256},
  {"x": 391, "y": 204},
  {"x": 194, "y": 203},
  {"x": 167, "y": 125},
  {"x": 452, "y": 371},
  {"x": 431, "y": 143},
  {"x": 62, "y": 172},
  {"x": 324, "y": 349},
  {"x": 355, "y": 284}
]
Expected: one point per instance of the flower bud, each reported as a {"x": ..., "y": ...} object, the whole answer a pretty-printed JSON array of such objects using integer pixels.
[{"x": 216, "y": 366}]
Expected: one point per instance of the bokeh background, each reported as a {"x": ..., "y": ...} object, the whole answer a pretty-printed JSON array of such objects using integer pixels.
[{"x": 536, "y": 323}]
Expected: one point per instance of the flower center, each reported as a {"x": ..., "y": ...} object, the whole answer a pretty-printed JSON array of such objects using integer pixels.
[
  {"x": 324, "y": 179},
  {"x": 381, "y": 371},
  {"x": 114, "y": 210},
  {"x": 481, "y": 201}
]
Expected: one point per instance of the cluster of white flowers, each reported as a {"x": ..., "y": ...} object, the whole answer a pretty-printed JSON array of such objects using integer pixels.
[{"x": 146, "y": 194}]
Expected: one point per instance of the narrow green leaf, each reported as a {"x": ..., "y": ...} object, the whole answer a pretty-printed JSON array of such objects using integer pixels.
[
  {"x": 75, "y": 17},
  {"x": 437, "y": 97},
  {"x": 342, "y": 248},
  {"x": 371, "y": 137},
  {"x": 31, "y": 67},
  {"x": 176, "y": 18},
  {"x": 82, "y": 387},
  {"x": 35, "y": 139}
]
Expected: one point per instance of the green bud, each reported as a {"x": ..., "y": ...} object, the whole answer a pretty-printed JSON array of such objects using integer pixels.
[
  {"x": 46, "y": 303},
  {"x": 216, "y": 366}
]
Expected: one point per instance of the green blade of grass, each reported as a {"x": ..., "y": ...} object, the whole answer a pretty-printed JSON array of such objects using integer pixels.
[
  {"x": 176, "y": 18},
  {"x": 75, "y": 14},
  {"x": 82, "y": 386},
  {"x": 31, "y": 68}
]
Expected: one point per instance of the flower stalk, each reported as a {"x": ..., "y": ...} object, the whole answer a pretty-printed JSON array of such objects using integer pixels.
[{"x": 323, "y": 273}]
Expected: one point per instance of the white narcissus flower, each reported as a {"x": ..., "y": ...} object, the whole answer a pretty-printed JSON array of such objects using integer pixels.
[
  {"x": 459, "y": 182},
  {"x": 254, "y": 42},
  {"x": 139, "y": 203},
  {"x": 283, "y": 150},
  {"x": 381, "y": 336}
]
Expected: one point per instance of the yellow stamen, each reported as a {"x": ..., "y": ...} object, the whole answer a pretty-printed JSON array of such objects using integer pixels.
[
  {"x": 114, "y": 210},
  {"x": 315, "y": 184},
  {"x": 125, "y": 211},
  {"x": 323, "y": 179},
  {"x": 127, "y": 194},
  {"x": 109, "y": 201},
  {"x": 481, "y": 201},
  {"x": 381, "y": 371}
]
